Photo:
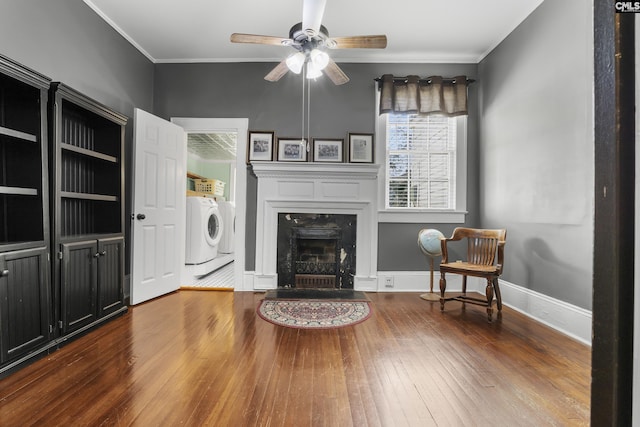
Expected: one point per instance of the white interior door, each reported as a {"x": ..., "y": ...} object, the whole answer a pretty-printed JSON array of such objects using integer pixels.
[{"x": 159, "y": 211}]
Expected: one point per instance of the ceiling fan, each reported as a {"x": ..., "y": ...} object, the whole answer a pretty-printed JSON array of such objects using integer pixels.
[{"x": 311, "y": 39}]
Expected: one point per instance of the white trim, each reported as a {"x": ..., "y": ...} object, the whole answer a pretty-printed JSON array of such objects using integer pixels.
[
  {"x": 320, "y": 188},
  {"x": 241, "y": 127},
  {"x": 416, "y": 281},
  {"x": 565, "y": 318},
  {"x": 119, "y": 30},
  {"x": 418, "y": 217},
  {"x": 414, "y": 216},
  {"x": 559, "y": 315}
]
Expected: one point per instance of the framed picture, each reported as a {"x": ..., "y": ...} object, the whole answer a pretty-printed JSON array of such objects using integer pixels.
[
  {"x": 360, "y": 147},
  {"x": 292, "y": 150},
  {"x": 327, "y": 150},
  {"x": 260, "y": 146}
]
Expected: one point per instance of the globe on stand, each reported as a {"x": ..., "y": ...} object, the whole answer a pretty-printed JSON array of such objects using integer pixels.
[{"x": 429, "y": 244}]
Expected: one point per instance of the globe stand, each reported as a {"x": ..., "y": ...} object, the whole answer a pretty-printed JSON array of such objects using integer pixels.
[
  {"x": 429, "y": 242},
  {"x": 431, "y": 296}
]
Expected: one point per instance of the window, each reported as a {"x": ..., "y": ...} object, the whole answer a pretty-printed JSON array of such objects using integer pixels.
[
  {"x": 424, "y": 168},
  {"x": 421, "y": 161}
]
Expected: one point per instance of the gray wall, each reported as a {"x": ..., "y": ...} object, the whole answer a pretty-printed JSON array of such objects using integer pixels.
[
  {"x": 536, "y": 145},
  {"x": 239, "y": 90},
  {"x": 68, "y": 42}
]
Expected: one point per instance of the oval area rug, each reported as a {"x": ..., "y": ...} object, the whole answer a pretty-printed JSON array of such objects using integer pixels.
[{"x": 314, "y": 314}]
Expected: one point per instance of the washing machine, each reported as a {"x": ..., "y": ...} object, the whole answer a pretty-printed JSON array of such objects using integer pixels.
[
  {"x": 228, "y": 211},
  {"x": 205, "y": 227}
]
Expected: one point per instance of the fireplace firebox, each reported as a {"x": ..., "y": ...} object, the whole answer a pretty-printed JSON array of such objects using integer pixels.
[{"x": 316, "y": 251}]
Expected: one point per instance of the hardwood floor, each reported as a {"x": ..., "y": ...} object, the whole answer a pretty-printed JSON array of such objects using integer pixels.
[{"x": 204, "y": 358}]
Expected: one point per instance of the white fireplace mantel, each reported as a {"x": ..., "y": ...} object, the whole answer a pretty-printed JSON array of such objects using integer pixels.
[{"x": 341, "y": 188}]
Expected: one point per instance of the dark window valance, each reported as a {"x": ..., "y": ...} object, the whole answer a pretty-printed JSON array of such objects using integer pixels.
[{"x": 433, "y": 95}]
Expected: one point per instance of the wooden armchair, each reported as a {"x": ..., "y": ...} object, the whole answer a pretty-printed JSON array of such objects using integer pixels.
[{"x": 485, "y": 258}]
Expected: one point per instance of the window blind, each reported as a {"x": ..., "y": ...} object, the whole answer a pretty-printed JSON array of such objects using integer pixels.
[{"x": 421, "y": 159}]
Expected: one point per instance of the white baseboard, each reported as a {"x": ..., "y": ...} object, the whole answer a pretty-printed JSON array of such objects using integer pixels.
[
  {"x": 559, "y": 315},
  {"x": 566, "y": 318},
  {"x": 415, "y": 281}
]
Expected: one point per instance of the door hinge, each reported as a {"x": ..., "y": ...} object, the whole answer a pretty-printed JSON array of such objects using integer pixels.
[
  {"x": 60, "y": 325},
  {"x": 50, "y": 329},
  {"x": 60, "y": 255}
]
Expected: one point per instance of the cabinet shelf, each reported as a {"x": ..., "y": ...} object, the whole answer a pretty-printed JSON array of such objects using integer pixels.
[
  {"x": 88, "y": 153},
  {"x": 88, "y": 196},
  {"x": 17, "y": 134},
  {"x": 19, "y": 191}
]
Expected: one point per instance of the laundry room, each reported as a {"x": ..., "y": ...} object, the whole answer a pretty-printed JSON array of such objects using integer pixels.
[{"x": 210, "y": 216}]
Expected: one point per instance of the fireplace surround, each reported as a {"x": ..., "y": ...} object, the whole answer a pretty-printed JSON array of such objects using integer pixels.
[{"x": 316, "y": 189}]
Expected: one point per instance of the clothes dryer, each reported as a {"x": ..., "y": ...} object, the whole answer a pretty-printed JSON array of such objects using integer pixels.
[
  {"x": 228, "y": 211},
  {"x": 205, "y": 227}
]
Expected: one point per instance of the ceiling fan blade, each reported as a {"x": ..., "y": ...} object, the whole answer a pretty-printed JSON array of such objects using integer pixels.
[
  {"x": 312, "y": 12},
  {"x": 335, "y": 73},
  {"x": 257, "y": 39},
  {"x": 276, "y": 74},
  {"x": 360, "y": 42}
]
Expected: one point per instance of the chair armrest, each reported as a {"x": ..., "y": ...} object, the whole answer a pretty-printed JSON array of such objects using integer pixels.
[{"x": 443, "y": 249}]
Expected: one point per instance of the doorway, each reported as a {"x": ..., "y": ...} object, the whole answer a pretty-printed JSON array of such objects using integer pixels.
[{"x": 221, "y": 133}]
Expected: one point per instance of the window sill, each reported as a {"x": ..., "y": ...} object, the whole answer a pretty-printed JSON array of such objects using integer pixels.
[{"x": 421, "y": 216}]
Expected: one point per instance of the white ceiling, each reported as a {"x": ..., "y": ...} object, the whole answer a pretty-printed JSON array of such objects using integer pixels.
[{"x": 417, "y": 30}]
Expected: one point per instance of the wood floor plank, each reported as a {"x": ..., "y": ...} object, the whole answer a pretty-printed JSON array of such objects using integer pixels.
[{"x": 206, "y": 359}]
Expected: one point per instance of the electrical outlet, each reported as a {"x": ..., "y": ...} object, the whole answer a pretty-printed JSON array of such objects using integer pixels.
[{"x": 388, "y": 282}]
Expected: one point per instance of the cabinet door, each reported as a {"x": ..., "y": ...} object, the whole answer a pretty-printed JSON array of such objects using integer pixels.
[
  {"x": 24, "y": 302},
  {"x": 78, "y": 284},
  {"x": 110, "y": 275}
]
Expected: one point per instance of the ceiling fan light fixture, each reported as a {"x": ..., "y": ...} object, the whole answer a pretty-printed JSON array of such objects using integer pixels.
[
  {"x": 319, "y": 59},
  {"x": 313, "y": 72},
  {"x": 295, "y": 62}
]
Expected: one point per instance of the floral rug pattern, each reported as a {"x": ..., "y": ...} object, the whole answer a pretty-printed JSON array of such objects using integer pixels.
[{"x": 314, "y": 314}]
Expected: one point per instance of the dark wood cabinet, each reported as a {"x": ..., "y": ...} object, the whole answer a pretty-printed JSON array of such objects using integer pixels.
[
  {"x": 88, "y": 208},
  {"x": 24, "y": 302},
  {"x": 92, "y": 276},
  {"x": 61, "y": 214},
  {"x": 25, "y": 297},
  {"x": 110, "y": 275}
]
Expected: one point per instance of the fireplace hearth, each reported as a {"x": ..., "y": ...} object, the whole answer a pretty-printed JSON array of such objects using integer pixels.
[{"x": 316, "y": 250}]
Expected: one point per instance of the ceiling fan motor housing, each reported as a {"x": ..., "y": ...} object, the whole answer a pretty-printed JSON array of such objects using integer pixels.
[{"x": 306, "y": 42}]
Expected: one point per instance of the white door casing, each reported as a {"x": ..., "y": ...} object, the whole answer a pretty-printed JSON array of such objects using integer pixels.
[
  {"x": 240, "y": 126},
  {"x": 158, "y": 223}
]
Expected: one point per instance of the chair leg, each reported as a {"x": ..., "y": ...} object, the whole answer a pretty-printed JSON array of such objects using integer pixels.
[
  {"x": 443, "y": 287},
  {"x": 496, "y": 287},
  {"x": 489, "y": 292},
  {"x": 464, "y": 285}
]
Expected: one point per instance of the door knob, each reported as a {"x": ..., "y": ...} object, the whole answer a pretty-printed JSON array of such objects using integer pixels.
[
  {"x": 4, "y": 273},
  {"x": 141, "y": 216}
]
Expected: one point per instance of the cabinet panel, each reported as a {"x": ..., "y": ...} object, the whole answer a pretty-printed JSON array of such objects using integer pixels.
[
  {"x": 79, "y": 290},
  {"x": 24, "y": 302},
  {"x": 110, "y": 275}
]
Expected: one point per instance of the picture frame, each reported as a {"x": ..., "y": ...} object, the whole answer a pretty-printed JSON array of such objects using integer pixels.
[
  {"x": 292, "y": 150},
  {"x": 360, "y": 148},
  {"x": 260, "y": 146},
  {"x": 328, "y": 150}
]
